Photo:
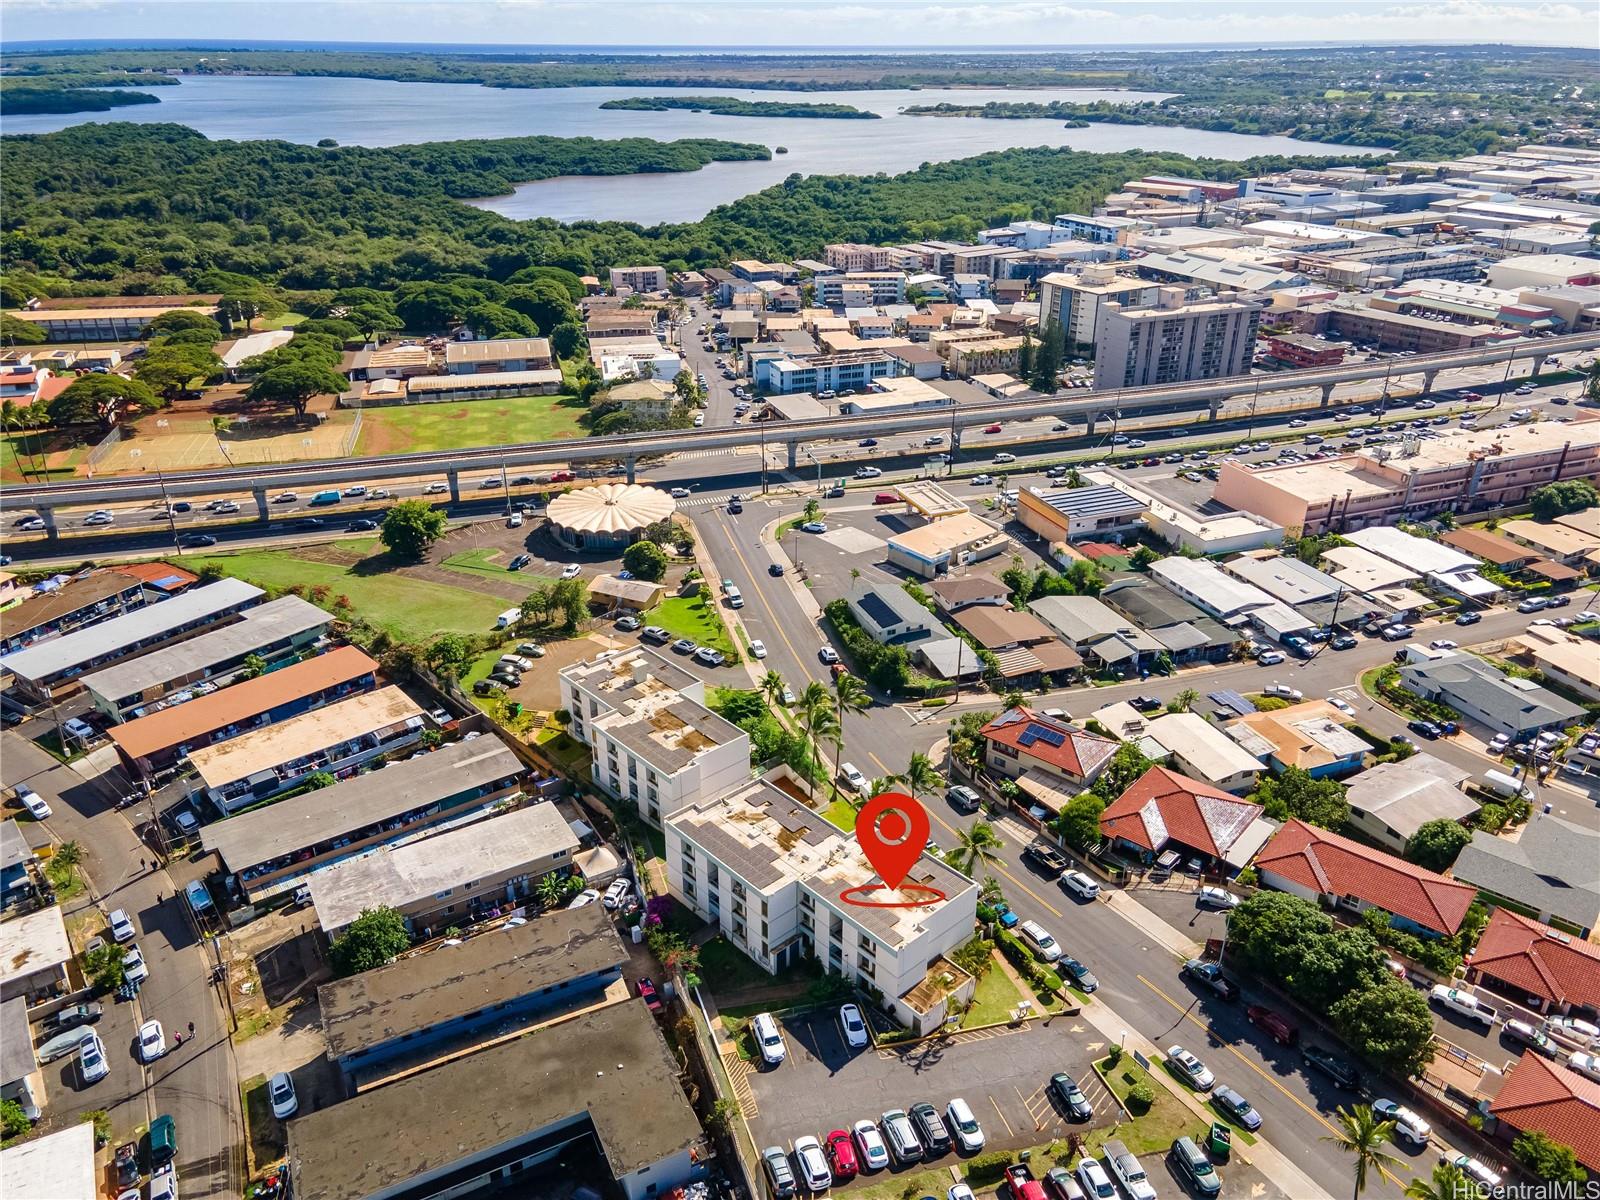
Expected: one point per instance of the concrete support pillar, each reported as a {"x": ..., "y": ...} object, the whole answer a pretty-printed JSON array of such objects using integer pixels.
[
  {"x": 1427, "y": 381},
  {"x": 48, "y": 516},
  {"x": 1327, "y": 394},
  {"x": 1216, "y": 406},
  {"x": 455, "y": 486},
  {"x": 263, "y": 510},
  {"x": 631, "y": 462},
  {"x": 794, "y": 455},
  {"x": 1088, "y": 423}
]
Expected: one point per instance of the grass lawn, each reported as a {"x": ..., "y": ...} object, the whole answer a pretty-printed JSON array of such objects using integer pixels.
[
  {"x": 842, "y": 814},
  {"x": 477, "y": 562},
  {"x": 419, "y": 427},
  {"x": 1155, "y": 1129},
  {"x": 724, "y": 966},
  {"x": 694, "y": 618},
  {"x": 38, "y": 457},
  {"x": 568, "y": 752},
  {"x": 409, "y": 608},
  {"x": 994, "y": 1000},
  {"x": 266, "y": 1142}
]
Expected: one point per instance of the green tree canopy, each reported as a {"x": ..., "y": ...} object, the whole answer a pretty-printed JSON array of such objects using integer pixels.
[
  {"x": 645, "y": 560},
  {"x": 295, "y": 384},
  {"x": 1079, "y": 822},
  {"x": 450, "y": 654},
  {"x": 567, "y": 339},
  {"x": 1388, "y": 1024},
  {"x": 1296, "y": 794},
  {"x": 1557, "y": 499},
  {"x": 1436, "y": 844},
  {"x": 101, "y": 400},
  {"x": 14, "y": 331},
  {"x": 369, "y": 941},
  {"x": 1547, "y": 1158},
  {"x": 1126, "y": 765},
  {"x": 170, "y": 367},
  {"x": 182, "y": 320},
  {"x": 410, "y": 527},
  {"x": 490, "y": 320}
]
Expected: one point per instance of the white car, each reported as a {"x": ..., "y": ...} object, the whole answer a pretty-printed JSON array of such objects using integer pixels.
[
  {"x": 133, "y": 966},
  {"x": 1407, "y": 1124},
  {"x": 1585, "y": 1064},
  {"x": 1216, "y": 897},
  {"x": 434, "y": 489},
  {"x": 1282, "y": 690},
  {"x": 1573, "y": 1029},
  {"x": 1269, "y": 658},
  {"x": 585, "y": 897},
  {"x": 1096, "y": 1183},
  {"x": 868, "y": 472},
  {"x": 1472, "y": 1169},
  {"x": 963, "y": 1126},
  {"x": 814, "y": 1173},
  {"x": 92, "y": 1058},
  {"x": 1130, "y": 1173},
  {"x": 570, "y": 571},
  {"x": 101, "y": 517},
  {"x": 1442, "y": 644},
  {"x": 33, "y": 802},
  {"x": 873, "y": 1154},
  {"x": 769, "y": 1038},
  {"x": 152, "y": 1041},
  {"x": 280, "y": 1090},
  {"x": 618, "y": 894},
  {"x": 1343, "y": 706},
  {"x": 758, "y": 648},
  {"x": 1080, "y": 885},
  {"x": 1194, "y": 1072},
  {"x": 31, "y": 524},
  {"x": 1464, "y": 1002},
  {"x": 855, "y": 1029},
  {"x": 680, "y": 493},
  {"x": 960, "y": 1191},
  {"x": 121, "y": 928}
]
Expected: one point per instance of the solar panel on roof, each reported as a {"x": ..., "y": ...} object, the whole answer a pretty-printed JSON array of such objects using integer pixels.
[
  {"x": 1233, "y": 700},
  {"x": 1039, "y": 733}
]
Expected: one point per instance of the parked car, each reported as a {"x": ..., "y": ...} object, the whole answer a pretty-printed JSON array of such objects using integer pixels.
[
  {"x": 627, "y": 624},
  {"x": 1195, "y": 1168},
  {"x": 812, "y": 1164},
  {"x": 1064, "y": 1088},
  {"x": 841, "y": 1155},
  {"x": 648, "y": 993},
  {"x": 1573, "y": 1029},
  {"x": 280, "y": 1091},
  {"x": 1040, "y": 941},
  {"x": 1021, "y": 1185},
  {"x": 1530, "y": 1036},
  {"x": 1128, "y": 1170},
  {"x": 133, "y": 966},
  {"x": 963, "y": 798},
  {"x": 1082, "y": 978},
  {"x": 571, "y": 571},
  {"x": 1473, "y": 1170},
  {"x": 1275, "y": 1025},
  {"x": 1585, "y": 1064},
  {"x": 1059, "y": 1184},
  {"x": 1080, "y": 885},
  {"x": 1096, "y": 1183},
  {"x": 586, "y": 897},
  {"x": 72, "y": 1017},
  {"x": 963, "y": 1126},
  {"x": 152, "y": 1041},
  {"x": 1284, "y": 691},
  {"x": 853, "y": 1026},
  {"x": 871, "y": 1153},
  {"x": 1408, "y": 1126},
  {"x": 1045, "y": 855},
  {"x": 1236, "y": 1107},
  {"x": 710, "y": 657},
  {"x": 1270, "y": 658},
  {"x": 618, "y": 894},
  {"x": 33, "y": 802},
  {"x": 684, "y": 646},
  {"x": 92, "y": 1058},
  {"x": 1190, "y": 1069},
  {"x": 901, "y": 1137},
  {"x": 1209, "y": 975},
  {"x": 828, "y": 655},
  {"x": 769, "y": 1039},
  {"x": 121, "y": 927},
  {"x": 931, "y": 1130},
  {"x": 1216, "y": 897},
  {"x": 780, "y": 1178},
  {"x": 1463, "y": 1002},
  {"x": 1146, "y": 704},
  {"x": 1333, "y": 1065}
]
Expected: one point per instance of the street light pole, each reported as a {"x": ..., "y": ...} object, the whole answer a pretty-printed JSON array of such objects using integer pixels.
[{"x": 505, "y": 485}]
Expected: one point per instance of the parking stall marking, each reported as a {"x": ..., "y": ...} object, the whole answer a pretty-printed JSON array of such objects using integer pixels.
[
  {"x": 739, "y": 1075},
  {"x": 1010, "y": 1132}
]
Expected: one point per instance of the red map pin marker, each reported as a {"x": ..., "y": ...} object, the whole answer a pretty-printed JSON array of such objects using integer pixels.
[{"x": 892, "y": 830}]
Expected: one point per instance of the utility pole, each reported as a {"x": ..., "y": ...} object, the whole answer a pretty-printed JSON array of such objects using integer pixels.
[
  {"x": 166, "y": 503},
  {"x": 505, "y": 486}
]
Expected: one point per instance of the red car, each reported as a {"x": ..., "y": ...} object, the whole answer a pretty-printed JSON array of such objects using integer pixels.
[
  {"x": 647, "y": 993},
  {"x": 1278, "y": 1027},
  {"x": 1022, "y": 1185},
  {"x": 562, "y": 477},
  {"x": 886, "y": 498},
  {"x": 992, "y": 429},
  {"x": 841, "y": 1152}
]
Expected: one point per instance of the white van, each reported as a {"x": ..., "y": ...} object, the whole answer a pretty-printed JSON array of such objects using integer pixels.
[
  {"x": 852, "y": 778},
  {"x": 1506, "y": 785},
  {"x": 1039, "y": 941},
  {"x": 735, "y": 599},
  {"x": 510, "y": 617},
  {"x": 769, "y": 1039},
  {"x": 515, "y": 661}
]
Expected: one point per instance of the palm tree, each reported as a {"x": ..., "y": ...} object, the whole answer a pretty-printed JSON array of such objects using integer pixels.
[
  {"x": 919, "y": 775},
  {"x": 69, "y": 854},
  {"x": 1185, "y": 700},
  {"x": 976, "y": 846},
  {"x": 1449, "y": 1182},
  {"x": 1364, "y": 1135},
  {"x": 850, "y": 695},
  {"x": 773, "y": 687},
  {"x": 816, "y": 718}
]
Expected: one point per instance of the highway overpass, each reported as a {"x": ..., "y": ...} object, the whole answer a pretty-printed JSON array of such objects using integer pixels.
[{"x": 626, "y": 450}]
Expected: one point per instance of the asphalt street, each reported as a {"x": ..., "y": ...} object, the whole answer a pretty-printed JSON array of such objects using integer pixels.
[{"x": 196, "y": 1082}]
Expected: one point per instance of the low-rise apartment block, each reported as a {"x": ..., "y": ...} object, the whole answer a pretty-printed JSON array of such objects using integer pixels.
[
  {"x": 651, "y": 738},
  {"x": 257, "y": 766},
  {"x": 853, "y": 369},
  {"x": 853, "y": 256},
  {"x": 772, "y": 874},
  {"x": 880, "y": 287},
  {"x": 639, "y": 279},
  {"x": 500, "y": 354},
  {"x": 72, "y": 605}
]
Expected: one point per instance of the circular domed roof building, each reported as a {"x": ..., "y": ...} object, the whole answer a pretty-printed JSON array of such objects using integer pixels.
[{"x": 611, "y": 516}]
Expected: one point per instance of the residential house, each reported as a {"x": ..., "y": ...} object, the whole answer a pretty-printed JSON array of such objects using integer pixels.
[
  {"x": 16, "y": 856},
  {"x": 1314, "y": 595},
  {"x": 1050, "y": 759},
  {"x": 1025, "y": 648},
  {"x": 1495, "y": 549},
  {"x": 954, "y": 593},
  {"x": 59, "y": 1165},
  {"x": 1230, "y": 600},
  {"x": 34, "y": 955},
  {"x": 1315, "y": 864},
  {"x": 1537, "y": 966},
  {"x": 1551, "y": 871},
  {"x": 778, "y": 880},
  {"x": 1194, "y": 745},
  {"x": 1540, "y": 1096},
  {"x": 1310, "y": 735},
  {"x": 1184, "y": 631},
  {"x": 500, "y": 354},
  {"x": 1099, "y": 634},
  {"x": 453, "y": 878},
  {"x": 1389, "y": 802},
  {"x": 1163, "y": 810},
  {"x": 1484, "y": 694},
  {"x": 888, "y": 614},
  {"x": 1564, "y": 543},
  {"x": 1572, "y": 662}
]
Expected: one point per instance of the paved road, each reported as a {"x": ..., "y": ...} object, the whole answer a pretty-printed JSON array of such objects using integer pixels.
[{"x": 196, "y": 1082}]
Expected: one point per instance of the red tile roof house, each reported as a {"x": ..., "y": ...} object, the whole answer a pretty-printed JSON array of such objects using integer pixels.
[
  {"x": 1020, "y": 740},
  {"x": 1542, "y": 968},
  {"x": 1317, "y": 865},
  {"x": 1543, "y": 1096},
  {"x": 1164, "y": 810}
]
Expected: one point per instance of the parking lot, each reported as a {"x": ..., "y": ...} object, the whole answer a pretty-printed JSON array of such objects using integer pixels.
[{"x": 1002, "y": 1073}]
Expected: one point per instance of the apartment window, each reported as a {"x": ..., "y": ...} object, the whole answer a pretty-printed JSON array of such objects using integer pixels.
[
  {"x": 868, "y": 947},
  {"x": 688, "y": 888},
  {"x": 805, "y": 923},
  {"x": 688, "y": 852},
  {"x": 763, "y": 929},
  {"x": 763, "y": 908},
  {"x": 713, "y": 876},
  {"x": 738, "y": 889},
  {"x": 738, "y": 930},
  {"x": 806, "y": 902},
  {"x": 650, "y": 777},
  {"x": 865, "y": 965},
  {"x": 688, "y": 870}
]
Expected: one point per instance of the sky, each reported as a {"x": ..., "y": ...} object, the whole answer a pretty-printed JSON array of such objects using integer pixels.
[{"x": 889, "y": 24}]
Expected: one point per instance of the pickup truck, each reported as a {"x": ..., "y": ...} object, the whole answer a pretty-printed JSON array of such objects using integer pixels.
[
  {"x": 1046, "y": 856},
  {"x": 71, "y": 1017}
]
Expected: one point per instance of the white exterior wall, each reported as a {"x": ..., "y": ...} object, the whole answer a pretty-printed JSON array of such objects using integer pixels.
[{"x": 657, "y": 794}]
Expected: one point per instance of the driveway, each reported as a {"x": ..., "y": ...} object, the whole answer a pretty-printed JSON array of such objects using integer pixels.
[{"x": 824, "y": 1085}]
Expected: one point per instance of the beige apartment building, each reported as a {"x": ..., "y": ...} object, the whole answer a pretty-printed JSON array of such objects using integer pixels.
[
  {"x": 968, "y": 358},
  {"x": 853, "y": 256},
  {"x": 1073, "y": 300},
  {"x": 1461, "y": 471},
  {"x": 1174, "y": 342},
  {"x": 639, "y": 279}
]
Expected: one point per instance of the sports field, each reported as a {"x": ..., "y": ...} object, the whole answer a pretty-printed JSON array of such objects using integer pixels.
[
  {"x": 415, "y": 428},
  {"x": 186, "y": 441}
]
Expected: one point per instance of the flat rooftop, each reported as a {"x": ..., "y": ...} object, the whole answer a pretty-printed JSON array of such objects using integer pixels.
[
  {"x": 621, "y": 675},
  {"x": 668, "y": 731},
  {"x": 33, "y": 942},
  {"x": 768, "y": 838},
  {"x": 268, "y": 834},
  {"x": 499, "y": 349},
  {"x": 40, "y": 608},
  {"x": 479, "y": 379},
  {"x": 241, "y": 702},
  {"x": 57, "y": 1166},
  {"x": 448, "y": 982},
  {"x": 264, "y": 749},
  {"x": 402, "y": 875},
  {"x": 285, "y": 617},
  {"x": 610, "y": 1063},
  {"x": 944, "y": 535},
  {"x": 60, "y": 654}
]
